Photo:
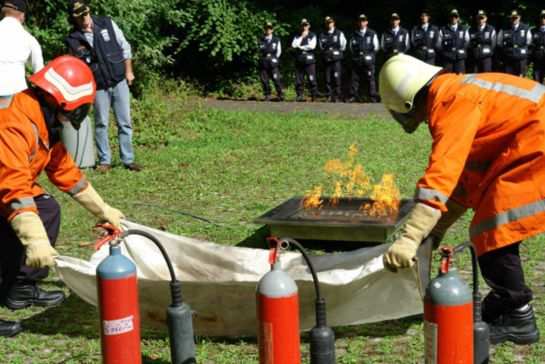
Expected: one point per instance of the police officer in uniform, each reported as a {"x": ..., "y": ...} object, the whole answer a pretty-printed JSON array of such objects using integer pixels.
[
  {"x": 514, "y": 42},
  {"x": 333, "y": 45},
  {"x": 364, "y": 46},
  {"x": 538, "y": 49},
  {"x": 304, "y": 44},
  {"x": 396, "y": 39},
  {"x": 482, "y": 43},
  {"x": 425, "y": 40},
  {"x": 454, "y": 44},
  {"x": 270, "y": 50}
]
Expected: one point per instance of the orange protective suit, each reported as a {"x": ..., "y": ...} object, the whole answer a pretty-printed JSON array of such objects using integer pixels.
[
  {"x": 25, "y": 152},
  {"x": 488, "y": 154}
]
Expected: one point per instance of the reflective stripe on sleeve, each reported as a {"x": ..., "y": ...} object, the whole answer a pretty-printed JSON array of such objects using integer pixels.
[
  {"x": 507, "y": 217},
  {"x": 78, "y": 187},
  {"x": 429, "y": 194},
  {"x": 533, "y": 95},
  {"x": 21, "y": 203}
]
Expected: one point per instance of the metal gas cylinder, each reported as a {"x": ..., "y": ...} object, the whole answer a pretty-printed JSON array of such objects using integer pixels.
[
  {"x": 119, "y": 309},
  {"x": 448, "y": 317},
  {"x": 278, "y": 318}
]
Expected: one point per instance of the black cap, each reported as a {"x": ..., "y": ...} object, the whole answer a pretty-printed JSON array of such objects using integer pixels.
[
  {"x": 395, "y": 16},
  {"x": 425, "y": 13},
  {"x": 481, "y": 14},
  {"x": 304, "y": 21},
  {"x": 454, "y": 13},
  {"x": 543, "y": 13},
  {"x": 268, "y": 25},
  {"x": 19, "y": 5},
  {"x": 362, "y": 17},
  {"x": 79, "y": 8},
  {"x": 328, "y": 20}
]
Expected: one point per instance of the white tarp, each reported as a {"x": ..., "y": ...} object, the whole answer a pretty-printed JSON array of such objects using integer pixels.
[{"x": 219, "y": 283}]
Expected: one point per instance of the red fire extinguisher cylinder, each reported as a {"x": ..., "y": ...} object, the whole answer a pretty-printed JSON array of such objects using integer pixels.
[
  {"x": 278, "y": 318},
  {"x": 119, "y": 309}
]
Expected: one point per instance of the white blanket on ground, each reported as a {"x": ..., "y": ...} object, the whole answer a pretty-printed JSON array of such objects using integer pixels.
[{"x": 219, "y": 283}]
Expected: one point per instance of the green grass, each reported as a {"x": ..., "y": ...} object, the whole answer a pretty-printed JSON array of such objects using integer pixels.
[{"x": 231, "y": 167}]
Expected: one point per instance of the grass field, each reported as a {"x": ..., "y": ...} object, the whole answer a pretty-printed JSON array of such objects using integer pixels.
[{"x": 231, "y": 167}]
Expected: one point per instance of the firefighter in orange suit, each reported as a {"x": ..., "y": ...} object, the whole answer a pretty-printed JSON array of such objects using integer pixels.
[
  {"x": 488, "y": 155},
  {"x": 30, "y": 125}
]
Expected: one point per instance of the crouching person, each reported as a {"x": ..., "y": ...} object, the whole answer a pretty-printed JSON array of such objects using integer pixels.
[{"x": 30, "y": 127}]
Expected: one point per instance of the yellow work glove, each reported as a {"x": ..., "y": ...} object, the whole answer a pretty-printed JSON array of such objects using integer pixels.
[
  {"x": 91, "y": 200},
  {"x": 454, "y": 212},
  {"x": 31, "y": 232},
  {"x": 420, "y": 221}
]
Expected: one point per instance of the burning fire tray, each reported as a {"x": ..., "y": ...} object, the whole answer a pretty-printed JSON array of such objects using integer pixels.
[{"x": 344, "y": 222}]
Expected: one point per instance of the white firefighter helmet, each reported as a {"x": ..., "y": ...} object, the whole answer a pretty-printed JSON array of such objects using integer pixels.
[{"x": 401, "y": 78}]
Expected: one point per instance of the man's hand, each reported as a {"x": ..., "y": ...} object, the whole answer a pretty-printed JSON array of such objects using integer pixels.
[
  {"x": 31, "y": 232},
  {"x": 91, "y": 200},
  {"x": 418, "y": 225},
  {"x": 130, "y": 77}
]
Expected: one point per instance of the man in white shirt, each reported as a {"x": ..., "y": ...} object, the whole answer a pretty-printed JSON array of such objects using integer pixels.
[
  {"x": 333, "y": 45},
  {"x": 18, "y": 47},
  {"x": 304, "y": 44},
  {"x": 396, "y": 39},
  {"x": 454, "y": 43},
  {"x": 482, "y": 44}
]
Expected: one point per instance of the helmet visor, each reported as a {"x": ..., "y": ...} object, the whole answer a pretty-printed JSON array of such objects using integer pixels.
[
  {"x": 408, "y": 121},
  {"x": 76, "y": 116}
]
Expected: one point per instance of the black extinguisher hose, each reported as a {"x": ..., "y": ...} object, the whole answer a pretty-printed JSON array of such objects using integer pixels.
[
  {"x": 179, "y": 315},
  {"x": 322, "y": 337}
]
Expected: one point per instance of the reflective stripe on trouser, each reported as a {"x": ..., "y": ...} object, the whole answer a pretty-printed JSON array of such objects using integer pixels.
[
  {"x": 333, "y": 77},
  {"x": 119, "y": 98}
]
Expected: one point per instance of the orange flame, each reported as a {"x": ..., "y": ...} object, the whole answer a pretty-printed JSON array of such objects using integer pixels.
[
  {"x": 349, "y": 179},
  {"x": 313, "y": 199}
]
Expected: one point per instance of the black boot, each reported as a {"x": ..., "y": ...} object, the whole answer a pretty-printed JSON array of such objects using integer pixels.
[
  {"x": 10, "y": 328},
  {"x": 23, "y": 295},
  {"x": 518, "y": 326}
]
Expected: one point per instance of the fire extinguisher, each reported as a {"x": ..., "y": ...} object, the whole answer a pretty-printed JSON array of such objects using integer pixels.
[
  {"x": 453, "y": 329},
  {"x": 278, "y": 314},
  {"x": 119, "y": 309}
]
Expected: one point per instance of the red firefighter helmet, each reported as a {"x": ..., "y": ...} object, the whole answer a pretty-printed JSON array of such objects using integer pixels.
[{"x": 71, "y": 83}]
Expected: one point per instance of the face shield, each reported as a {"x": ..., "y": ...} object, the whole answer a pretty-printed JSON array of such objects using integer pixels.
[
  {"x": 409, "y": 121},
  {"x": 74, "y": 117}
]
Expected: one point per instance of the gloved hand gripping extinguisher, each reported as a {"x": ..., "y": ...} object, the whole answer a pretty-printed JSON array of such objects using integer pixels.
[
  {"x": 278, "y": 314},
  {"x": 124, "y": 296},
  {"x": 453, "y": 329}
]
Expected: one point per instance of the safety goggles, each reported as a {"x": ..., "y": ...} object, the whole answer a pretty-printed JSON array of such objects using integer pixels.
[{"x": 76, "y": 116}]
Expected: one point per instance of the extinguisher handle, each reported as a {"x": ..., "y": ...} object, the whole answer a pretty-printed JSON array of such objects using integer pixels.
[{"x": 112, "y": 233}]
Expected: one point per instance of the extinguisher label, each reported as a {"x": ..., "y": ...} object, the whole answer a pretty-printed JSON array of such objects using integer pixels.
[
  {"x": 118, "y": 327},
  {"x": 430, "y": 338}
]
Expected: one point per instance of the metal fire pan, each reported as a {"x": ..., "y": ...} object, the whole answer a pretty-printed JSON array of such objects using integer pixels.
[{"x": 344, "y": 222}]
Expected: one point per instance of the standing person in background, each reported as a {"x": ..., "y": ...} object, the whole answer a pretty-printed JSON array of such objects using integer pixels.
[
  {"x": 482, "y": 43},
  {"x": 18, "y": 47},
  {"x": 333, "y": 45},
  {"x": 454, "y": 44},
  {"x": 305, "y": 61},
  {"x": 98, "y": 41},
  {"x": 270, "y": 50},
  {"x": 425, "y": 40},
  {"x": 364, "y": 46},
  {"x": 538, "y": 49},
  {"x": 396, "y": 39},
  {"x": 514, "y": 42}
]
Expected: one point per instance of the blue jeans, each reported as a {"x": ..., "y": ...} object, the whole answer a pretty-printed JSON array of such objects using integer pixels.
[{"x": 119, "y": 98}]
